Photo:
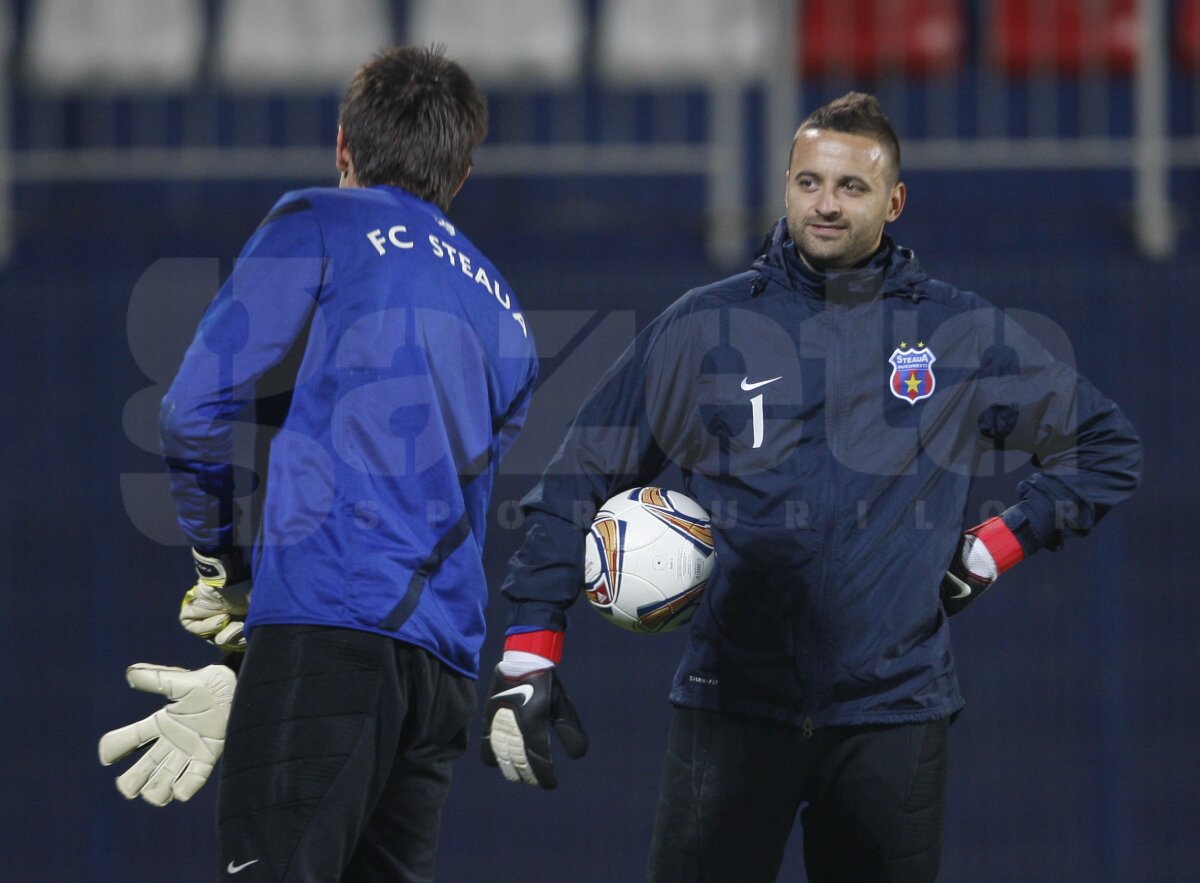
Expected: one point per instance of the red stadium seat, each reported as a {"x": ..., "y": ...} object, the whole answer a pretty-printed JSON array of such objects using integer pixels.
[
  {"x": 1063, "y": 36},
  {"x": 869, "y": 37},
  {"x": 1187, "y": 34}
]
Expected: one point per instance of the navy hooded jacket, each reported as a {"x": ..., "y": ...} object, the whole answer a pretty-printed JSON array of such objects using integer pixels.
[{"x": 831, "y": 423}]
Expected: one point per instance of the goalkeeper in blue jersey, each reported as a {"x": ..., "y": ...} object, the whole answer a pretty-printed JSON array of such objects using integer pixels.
[{"x": 360, "y": 604}]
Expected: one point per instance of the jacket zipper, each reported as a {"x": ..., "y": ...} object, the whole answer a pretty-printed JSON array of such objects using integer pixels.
[{"x": 816, "y": 630}]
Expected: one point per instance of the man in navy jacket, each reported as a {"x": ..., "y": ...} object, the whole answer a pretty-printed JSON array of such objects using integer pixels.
[{"x": 832, "y": 404}]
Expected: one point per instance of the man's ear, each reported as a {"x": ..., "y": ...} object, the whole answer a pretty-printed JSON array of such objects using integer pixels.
[
  {"x": 343, "y": 160},
  {"x": 896, "y": 201}
]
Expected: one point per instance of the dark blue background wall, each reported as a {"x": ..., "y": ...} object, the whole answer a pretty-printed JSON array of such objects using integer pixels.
[{"x": 1074, "y": 760}]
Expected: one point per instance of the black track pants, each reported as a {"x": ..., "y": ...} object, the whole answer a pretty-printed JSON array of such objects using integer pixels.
[
  {"x": 873, "y": 799},
  {"x": 337, "y": 759}
]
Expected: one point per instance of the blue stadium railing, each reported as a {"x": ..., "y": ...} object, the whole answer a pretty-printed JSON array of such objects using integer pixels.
[{"x": 725, "y": 130}]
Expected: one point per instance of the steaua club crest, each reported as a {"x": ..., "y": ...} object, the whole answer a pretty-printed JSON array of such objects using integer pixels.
[{"x": 912, "y": 373}]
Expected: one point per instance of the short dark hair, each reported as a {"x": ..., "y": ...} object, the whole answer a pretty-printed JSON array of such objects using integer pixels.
[
  {"x": 411, "y": 118},
  {"x": 855, "y": 113}
]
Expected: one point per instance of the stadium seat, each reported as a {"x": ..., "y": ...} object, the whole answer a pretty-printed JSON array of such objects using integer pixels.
[
  {"x": 683, "y": 41},
  {"x": 505, "y": 42},
  {"x": 871, "y": 37},
  {"x": 1065, "y": 37},
  {"x": 1187, "y": 34},
  {"x": 271, "y": 45},
  {"x": 125, "y": 45}
]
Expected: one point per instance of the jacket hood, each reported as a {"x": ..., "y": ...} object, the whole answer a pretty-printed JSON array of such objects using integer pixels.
[{"x": 892, "y": 271}]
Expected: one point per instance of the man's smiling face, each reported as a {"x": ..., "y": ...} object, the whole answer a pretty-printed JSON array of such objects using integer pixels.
[{"x": 841, "y": 190}]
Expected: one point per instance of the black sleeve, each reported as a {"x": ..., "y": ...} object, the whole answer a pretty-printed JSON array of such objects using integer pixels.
[
  {"x": 631, "y": 425},
  {"x": 1087, "y": 455}
]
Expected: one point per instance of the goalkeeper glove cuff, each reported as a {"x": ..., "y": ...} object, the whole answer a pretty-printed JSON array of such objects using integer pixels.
[
  {"x": 547, "y": 643},
  {"x": 993, "y": 543},
  {"x": 516, "y": 663},
  {"x": 220, "y": 569},
  {"x": 215, "y": 607},
  {"x": 527, "y": 652}
]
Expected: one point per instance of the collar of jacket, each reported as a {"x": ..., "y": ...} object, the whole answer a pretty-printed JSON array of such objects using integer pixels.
[{"x": 892, "y": 271}]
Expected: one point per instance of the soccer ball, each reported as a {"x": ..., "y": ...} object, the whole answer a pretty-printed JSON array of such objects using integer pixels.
[{"x": 647, "y": 559}]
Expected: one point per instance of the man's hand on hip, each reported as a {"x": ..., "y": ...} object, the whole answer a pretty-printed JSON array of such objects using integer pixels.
[{"x": 983, "y": 553}]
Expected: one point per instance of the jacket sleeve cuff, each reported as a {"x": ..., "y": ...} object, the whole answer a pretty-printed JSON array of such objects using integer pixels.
[
  {"x": 527, "y": 616},
  {"x": 1033, "y": 528}
]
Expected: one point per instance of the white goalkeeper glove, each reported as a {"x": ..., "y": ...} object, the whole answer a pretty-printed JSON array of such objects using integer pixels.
[
  {"x": 215, "y": 607},
  {"x": 186, "y": 737}
]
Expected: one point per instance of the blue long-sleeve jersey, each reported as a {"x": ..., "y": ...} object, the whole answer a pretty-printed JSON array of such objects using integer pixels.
[
  {"x": 831, "y": 424},
  {"x": 415, "y": 371}
]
